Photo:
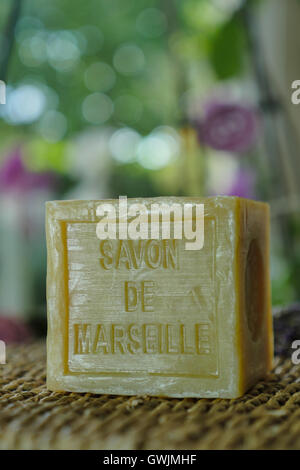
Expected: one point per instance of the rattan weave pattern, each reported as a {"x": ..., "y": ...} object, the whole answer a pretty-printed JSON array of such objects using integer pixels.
[{"x": 31, "y": 417}]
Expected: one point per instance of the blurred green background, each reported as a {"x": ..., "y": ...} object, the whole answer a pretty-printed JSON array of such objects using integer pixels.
[{"x": 140, "y": 98}]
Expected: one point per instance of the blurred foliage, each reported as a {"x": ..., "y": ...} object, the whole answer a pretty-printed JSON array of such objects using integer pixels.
[
  {"x": 97, "y": 29},
  {"x": 138, "y": 61},
  {"x": 58, "y": 42}
]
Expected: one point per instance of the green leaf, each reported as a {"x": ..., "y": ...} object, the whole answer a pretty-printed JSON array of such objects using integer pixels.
[{"x": 228, "y": 49}]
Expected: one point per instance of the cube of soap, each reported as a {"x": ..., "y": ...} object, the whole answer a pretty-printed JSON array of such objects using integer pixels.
[{"x": 150, "y": 317}]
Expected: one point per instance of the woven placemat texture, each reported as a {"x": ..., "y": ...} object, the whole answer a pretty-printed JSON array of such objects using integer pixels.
[{"x": 32, "y": 417}]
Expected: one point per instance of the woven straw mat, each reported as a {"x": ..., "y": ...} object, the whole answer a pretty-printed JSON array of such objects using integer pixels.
[{"x": 32, "y": 417}]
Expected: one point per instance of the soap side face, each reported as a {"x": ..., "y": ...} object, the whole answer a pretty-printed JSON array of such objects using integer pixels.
[
  {"x": 123, "y": 322},
  {"x": 255, "y": 329}
]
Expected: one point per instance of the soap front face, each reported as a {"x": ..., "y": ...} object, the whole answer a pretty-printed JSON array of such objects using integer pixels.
[{"x": 150, "y": 317}]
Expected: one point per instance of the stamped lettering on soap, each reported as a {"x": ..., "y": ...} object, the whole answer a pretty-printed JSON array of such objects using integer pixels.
[{"x": 140, "y": 306}]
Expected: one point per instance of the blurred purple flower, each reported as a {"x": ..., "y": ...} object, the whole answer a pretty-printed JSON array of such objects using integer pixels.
[
  {"x": 14, "y": 176},
  {"x": 228, "y": 126},
  {"x": 14, "y": 330},
  {"x": 243, "y": 185}
]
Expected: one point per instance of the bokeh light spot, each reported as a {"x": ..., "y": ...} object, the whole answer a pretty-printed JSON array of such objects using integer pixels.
[
  {"x": 25, "y": 104},
  {"x": 129, "y": 59},
  {"x": 53, "y": 126},
  {"x": 97, "y": 108},
  {"x": 99, "y": 77},
  {"x": 124, "y": 144},
  {"x": 32, "y": 51},
  {"x": 62, "y": 50},
  {"x": 157, "y": 150}
]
